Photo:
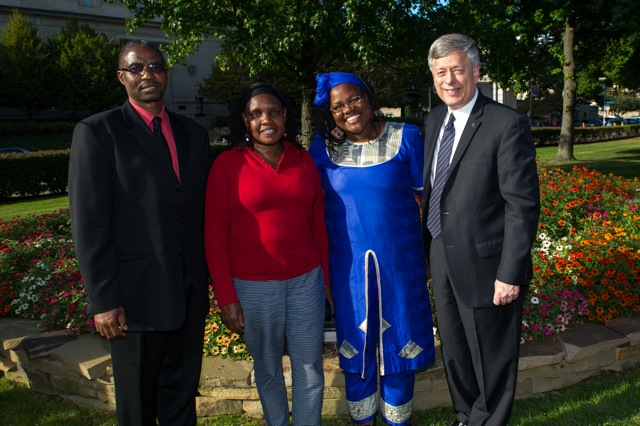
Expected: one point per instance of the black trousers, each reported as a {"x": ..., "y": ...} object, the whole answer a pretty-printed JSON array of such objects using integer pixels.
[
  {"x": 480, "y": 349},
  {"x": 157, "y": 373}
]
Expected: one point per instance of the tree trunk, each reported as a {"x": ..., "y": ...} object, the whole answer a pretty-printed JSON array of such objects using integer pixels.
[
  {"x": 565, "y": 146},
  {"x": 305, "y": 118}
]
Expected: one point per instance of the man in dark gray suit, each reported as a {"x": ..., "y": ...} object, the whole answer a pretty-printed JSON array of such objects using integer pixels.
[
  {"x": 481, "y": 208},
  {"x": 137, "y": 178}
]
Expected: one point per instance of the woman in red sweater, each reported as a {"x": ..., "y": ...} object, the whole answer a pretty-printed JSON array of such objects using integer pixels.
[{"x": 267, "y": 251}]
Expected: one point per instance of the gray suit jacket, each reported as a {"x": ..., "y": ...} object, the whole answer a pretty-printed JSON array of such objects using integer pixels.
[
  {"x": 490, "y": 202},
  {"x": 138, "y": 231}
]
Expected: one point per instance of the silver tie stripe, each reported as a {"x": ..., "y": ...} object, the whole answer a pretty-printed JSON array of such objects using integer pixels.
[{"x": 444, "y": 159}]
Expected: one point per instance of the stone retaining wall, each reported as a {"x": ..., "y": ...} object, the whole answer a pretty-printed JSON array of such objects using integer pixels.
[{"x": 79, "y": 369}]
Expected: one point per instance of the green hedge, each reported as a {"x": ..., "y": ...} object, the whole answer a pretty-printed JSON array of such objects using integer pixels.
[
  {"x": 34, "y": 173},
  {"x": 42, "y": 172},
  {"x": 548, "y": 136}
]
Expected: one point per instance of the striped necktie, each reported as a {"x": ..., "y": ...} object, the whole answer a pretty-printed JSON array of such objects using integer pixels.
[{"x": 444, "y": 160}]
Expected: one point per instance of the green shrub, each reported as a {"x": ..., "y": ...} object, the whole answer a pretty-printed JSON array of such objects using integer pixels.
[
  {"x": 34, "y": 173},
  {"x": 548, "y": 136}
]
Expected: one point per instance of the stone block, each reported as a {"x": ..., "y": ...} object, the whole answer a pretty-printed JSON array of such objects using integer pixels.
[
  {"x": 594, "y": 363},
  {"x": 17, "y": 376},
  {"x": 73, "y": 387},
  {"x": 547, "y": 371},
  {"x": 37, "y": 380},
  {"x": 253, "y": 409},
  {"x": 225, "y": 373},
  {"x": 207, "y": 406},
  {"x": 12, "y": 333},
  {"x": 87, "y": 355},
  {"x": 628, "y": 352},
  {"x": 627, "y": 358},
  {"x": 546, "y": 384},
  {"x": 588, "y": 340},
  {"x": 51, "y": 365},
  {"x": 40, "y": 344},
  {"x": 333, "y": 375},
  {"x": 538, "y": 354},
  {"x": 524, "y": 388},
  {"x": 83, "y": 401},
  {"x": 7, "y": 365},
  {"x": 430, "y": 400},
  {"x": 107, "y": 398},
  {"x": 331, "y": 392},
  {"x": 18, "y": 355},
  {"x": 231, "y": 393},
  {"x": 629, "y": 327},
  {"x": 335, "y": 407}
]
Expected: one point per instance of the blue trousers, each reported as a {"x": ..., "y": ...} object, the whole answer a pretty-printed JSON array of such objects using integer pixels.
[
  {"x": 287, "y": 312},
  {"x": 396, "y": 390}
]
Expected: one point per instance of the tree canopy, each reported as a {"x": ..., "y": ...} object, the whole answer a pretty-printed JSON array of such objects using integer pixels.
[
  {"x": 82, "y": 55},
  {"x": 295, "y": 39},
  {"x": 26, "y": 71},
  {"x": 72, "y": 71}
]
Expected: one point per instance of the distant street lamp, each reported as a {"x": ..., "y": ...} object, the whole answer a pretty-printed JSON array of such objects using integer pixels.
[
  {"x": 603, "y": 80},
  {"x": 199, "y": 99}
]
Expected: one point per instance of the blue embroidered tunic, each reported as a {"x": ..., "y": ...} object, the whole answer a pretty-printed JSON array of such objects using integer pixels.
[{"x": 373, "y": 222}]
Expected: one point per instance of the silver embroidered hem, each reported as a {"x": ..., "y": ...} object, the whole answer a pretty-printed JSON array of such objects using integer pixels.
[
  {"x": 399, "y": 414},
  {"x": 363, "y": 409}
]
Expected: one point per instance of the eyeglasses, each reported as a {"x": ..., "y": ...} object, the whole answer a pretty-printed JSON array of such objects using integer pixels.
[
  {"x": 138, "y": 69},
  {"x": 351, "y": 102}
]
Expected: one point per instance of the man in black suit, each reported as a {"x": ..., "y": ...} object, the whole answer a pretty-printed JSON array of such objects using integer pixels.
[
  {"x": 481, "y": 208},
  {"x": 136, "y": 194}
]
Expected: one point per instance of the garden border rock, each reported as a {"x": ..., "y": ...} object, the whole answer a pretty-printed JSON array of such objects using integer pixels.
[{"x": 79, "y": 369}]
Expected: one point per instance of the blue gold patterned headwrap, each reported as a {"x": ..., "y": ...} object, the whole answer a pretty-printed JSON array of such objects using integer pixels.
[{"x": 325, "y": 82}]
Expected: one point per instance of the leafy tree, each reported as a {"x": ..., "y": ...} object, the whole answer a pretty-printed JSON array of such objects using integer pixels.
[
  {"x": 622, "y": 103},
  {"x": 292, "y": 38},
  {"x": 86, "y": 64},
  {"x": 26, "y": 72}
]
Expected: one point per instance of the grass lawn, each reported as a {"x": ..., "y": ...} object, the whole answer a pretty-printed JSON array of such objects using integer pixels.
[
  {"x": 621, "y": 157},
  {"x": 33, "y": 206},
  {"x": 608, "y": 399}
]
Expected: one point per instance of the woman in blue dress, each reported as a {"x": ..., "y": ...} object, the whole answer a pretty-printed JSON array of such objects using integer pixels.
[{"x": 371, "y": 172}]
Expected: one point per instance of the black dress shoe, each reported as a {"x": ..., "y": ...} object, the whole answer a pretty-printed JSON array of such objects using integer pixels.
[{"x": 457, "y": 423}]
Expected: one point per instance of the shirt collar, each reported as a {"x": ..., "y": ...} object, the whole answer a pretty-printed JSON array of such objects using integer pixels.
[
  {"x": 147, "y": 116},
  {"x": 462, "y": 114}
]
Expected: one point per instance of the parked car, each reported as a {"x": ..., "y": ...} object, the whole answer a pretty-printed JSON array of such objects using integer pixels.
[
  {"x": 13, "y": 150},
  {"x": 595, "y": 122},
  {"x": 632, "y": 120}
]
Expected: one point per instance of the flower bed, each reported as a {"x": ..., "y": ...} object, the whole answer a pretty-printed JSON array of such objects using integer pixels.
[{"x": 586, "y": 263}]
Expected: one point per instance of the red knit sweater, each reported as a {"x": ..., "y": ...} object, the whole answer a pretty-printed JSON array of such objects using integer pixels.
[{"x": 262, "y": 224}]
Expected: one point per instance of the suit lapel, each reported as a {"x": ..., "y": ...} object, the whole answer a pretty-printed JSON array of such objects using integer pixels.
[
  {"x": 473, "y": 123},
  {"x": 183, "y": 147}
]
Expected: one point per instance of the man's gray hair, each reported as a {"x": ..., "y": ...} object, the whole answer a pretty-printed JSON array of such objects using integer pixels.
[{"x": 450, "y": 43}]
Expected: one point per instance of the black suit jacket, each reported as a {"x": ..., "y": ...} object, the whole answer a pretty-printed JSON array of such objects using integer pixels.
[
  {"x": 138, "y": 231},
  {"x": 490, "y": 202}
]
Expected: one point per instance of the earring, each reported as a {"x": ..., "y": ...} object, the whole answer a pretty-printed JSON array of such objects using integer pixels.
[
  {"x": 285, "y": 136},
  {"x": 247, "y": 137}
]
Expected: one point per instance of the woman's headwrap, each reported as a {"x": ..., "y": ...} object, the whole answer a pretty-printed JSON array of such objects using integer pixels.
[{"x": 325, "y": 82}]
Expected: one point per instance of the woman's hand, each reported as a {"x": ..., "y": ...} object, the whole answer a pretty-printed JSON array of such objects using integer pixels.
[
  {"x": 232, "y": 317},
  {"x": 327, "y": 290}
]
